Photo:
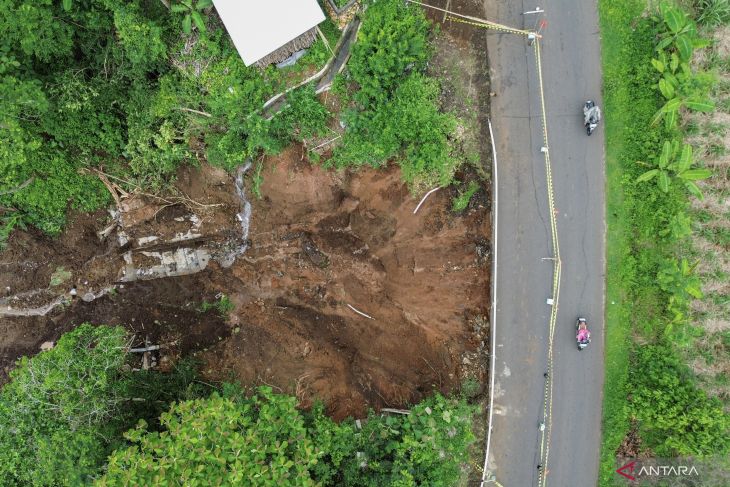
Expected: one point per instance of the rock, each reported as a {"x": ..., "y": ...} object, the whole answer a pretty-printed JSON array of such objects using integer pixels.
[{"x": 47, "y": 346}]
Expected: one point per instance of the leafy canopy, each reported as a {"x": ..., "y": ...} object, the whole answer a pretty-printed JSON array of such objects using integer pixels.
[
  {"x": 59, "y": 407},
  {"x": 263, "y": 440},
  {"x": 395, "y": 108}
]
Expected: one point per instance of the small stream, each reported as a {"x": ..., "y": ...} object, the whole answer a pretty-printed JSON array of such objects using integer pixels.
[{"x": 228, "y": 257}]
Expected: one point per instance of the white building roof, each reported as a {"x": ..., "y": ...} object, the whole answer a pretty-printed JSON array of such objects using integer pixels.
[{"x": 259, "y": 27}]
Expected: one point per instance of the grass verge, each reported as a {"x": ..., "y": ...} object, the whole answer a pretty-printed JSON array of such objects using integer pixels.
[
  {"x": 649, "y": 277},
  {"x": 615, "y": 17}
]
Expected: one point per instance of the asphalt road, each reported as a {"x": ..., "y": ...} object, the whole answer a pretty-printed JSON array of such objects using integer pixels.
[{"x": 571, "y": 72}]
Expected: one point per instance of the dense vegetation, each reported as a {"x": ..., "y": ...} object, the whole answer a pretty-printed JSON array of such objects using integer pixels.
[
  {"x": 63, "y": 411},
  {"x": 136, "y": 90},
  {"x": 117, "y": 85},
  {"x": 649, "y": 88},
  {"x": 66, "y": 410},
  {"x": 394, "y": 106}
]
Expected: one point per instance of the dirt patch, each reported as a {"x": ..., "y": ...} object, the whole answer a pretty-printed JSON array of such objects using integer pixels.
[
  {"x": 321, "y": 244},
  {"x": 324, "y": 243}
]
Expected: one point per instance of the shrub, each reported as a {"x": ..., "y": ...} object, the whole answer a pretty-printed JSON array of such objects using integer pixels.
[
  {"x": 59, "y": 408},
  {"x": 201, "y": 445},
  {"x": 462, "y": 201},
  {"x": 396, "y": 113},
  {"x": 261, "y": 440},
  {"x": 675, "y": 417}
]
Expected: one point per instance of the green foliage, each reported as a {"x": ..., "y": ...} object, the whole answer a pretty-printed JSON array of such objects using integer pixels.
[
  {"x": 66, "y": 72},
  {"x": 261, "y": 440},
  {"x": 675, "y": 418},
  {"x": 59, "y": 407},
  {"x": 462, "y": 201},
  {"x": 425, "y": 447},
  {"x": 7, "y": 224},
  {"x": 680, "y": 168},
  {"x": 102, "y": 82},
  {"x": 201, "y": 445},
  {"x": 142, "y": 41},
  {"x": 223, "y": 305},
  {"x": 678, "y": 280},
  {"x": 303, "y": 116},
  {"x": 712, "y": 13},
  {"x": 192, "y": 13},
  {"x": 393, "y": 41},
  {"x": 648, "y": 281},
  {"x": 396, "y": 113},
  {"x": 678, "y": 84},
  {"x": 64, "y": 411}
]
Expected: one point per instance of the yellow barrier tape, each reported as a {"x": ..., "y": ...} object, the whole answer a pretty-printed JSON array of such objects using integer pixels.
[
  {"x": 490, "y": 25},
  {"x": 557, "y": 265},
  {"x": 557, "y": 269}
]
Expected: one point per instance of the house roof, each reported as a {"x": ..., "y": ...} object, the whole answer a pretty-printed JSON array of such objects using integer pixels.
[{"x": 259, "y": 27}]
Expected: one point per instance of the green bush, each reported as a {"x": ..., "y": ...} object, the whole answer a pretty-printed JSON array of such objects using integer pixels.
[
  {"x": 59, "y": 409},
  {"x": 396, "y": 111},
  {"x": 261, "y": 440},
  {"x": 675, "y": 417},
  {"x": 201, "y": 445},
  {"x": 426, "y": 447}
]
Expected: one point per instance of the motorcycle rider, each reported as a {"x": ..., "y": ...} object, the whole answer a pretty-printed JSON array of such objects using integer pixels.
[
  {"x": 584, "y": 336},
  {"x": 591, "y": 116}
]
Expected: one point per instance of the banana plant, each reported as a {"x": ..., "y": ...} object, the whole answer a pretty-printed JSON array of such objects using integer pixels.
[
  {"x": 678, "y": 279},
  {"x": 682, "y": 31},
  {"x": 193, "y": 13},
  {"x": 674, "y": 54},
  {"x": 676, "y": 86},
  {"x": 670, "y": 167}
]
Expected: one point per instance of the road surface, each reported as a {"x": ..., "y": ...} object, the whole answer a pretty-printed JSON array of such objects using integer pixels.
[{"x": 571, "y": 72}]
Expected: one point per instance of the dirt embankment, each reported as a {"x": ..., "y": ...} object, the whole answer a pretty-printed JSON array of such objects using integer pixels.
[
  {"x": 324, "y": 242},
  {"x": 321, "y": 244}
]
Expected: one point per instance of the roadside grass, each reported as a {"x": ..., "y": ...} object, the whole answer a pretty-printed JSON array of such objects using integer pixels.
[
  {"x": 639, "y": 320},
  {"x": 616, "y": 17}
]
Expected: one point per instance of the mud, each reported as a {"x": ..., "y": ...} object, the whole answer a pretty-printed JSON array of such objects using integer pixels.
[
  {"x": 321, "y": 242},
  {"x": 324, "y": 241}
]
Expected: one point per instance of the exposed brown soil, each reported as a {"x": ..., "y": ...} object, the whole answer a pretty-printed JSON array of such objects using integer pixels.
[
  {"x": 321, "y": 242},
  {"x": 325, "y": 241}
]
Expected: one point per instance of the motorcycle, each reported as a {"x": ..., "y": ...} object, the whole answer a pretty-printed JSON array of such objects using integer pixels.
[
  {"x": 582, "y": 334},
  {"x": 591, "y": 116}
]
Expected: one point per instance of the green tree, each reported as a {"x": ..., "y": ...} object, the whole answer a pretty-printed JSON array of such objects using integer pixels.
[
  {"x": 58, "y": 411},
  {"x": 260, "y": 440}
]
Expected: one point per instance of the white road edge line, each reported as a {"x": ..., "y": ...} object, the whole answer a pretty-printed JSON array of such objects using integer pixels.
[{"x": 493, "y": 348}]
